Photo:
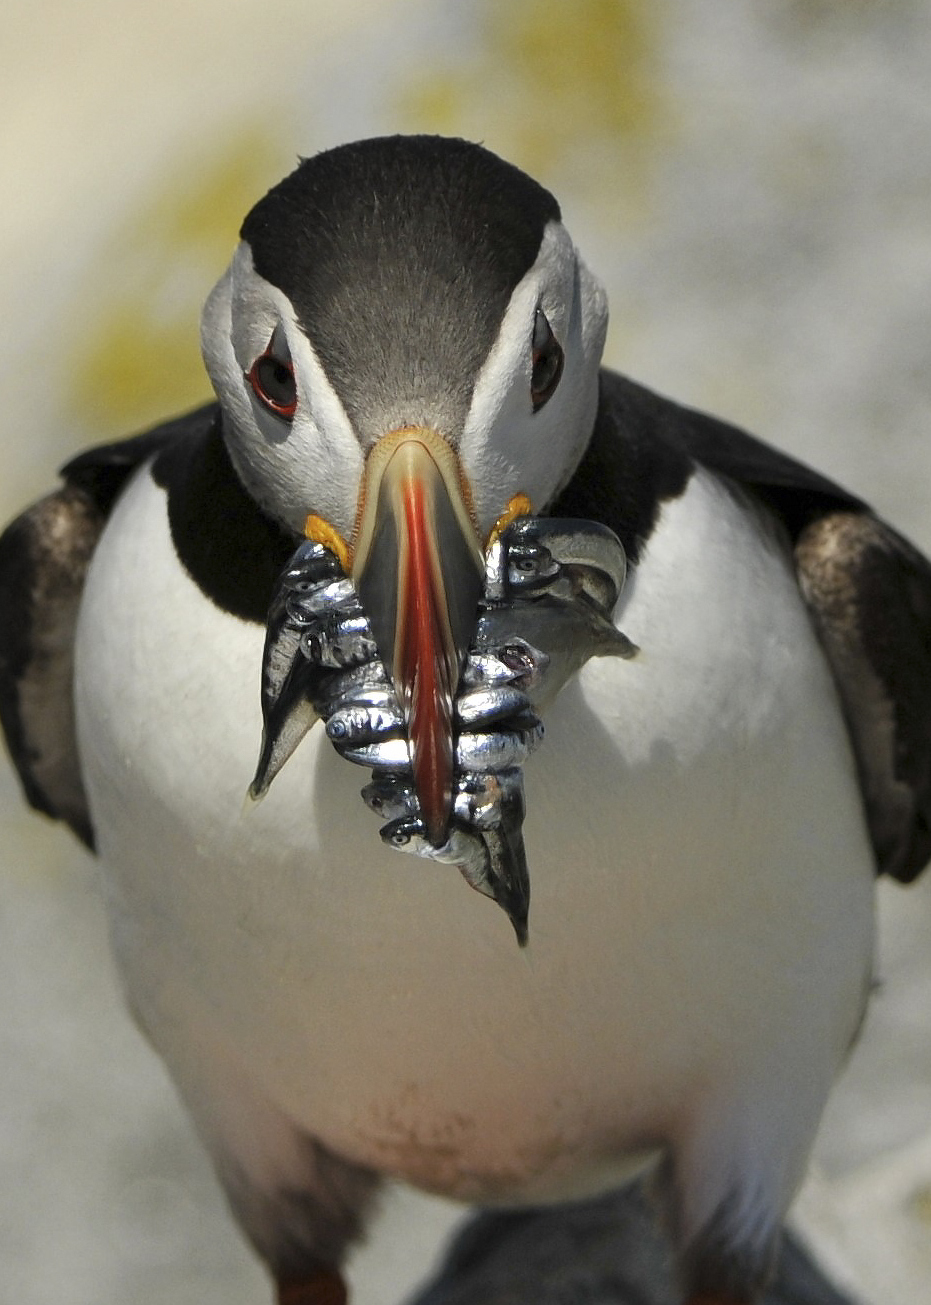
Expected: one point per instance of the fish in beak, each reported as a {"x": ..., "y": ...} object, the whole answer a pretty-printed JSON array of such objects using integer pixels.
[
  {"x": 435, "y": 681},
  {"x": 418, "y": 567}
]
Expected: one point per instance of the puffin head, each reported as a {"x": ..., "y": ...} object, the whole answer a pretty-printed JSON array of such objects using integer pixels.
[{"x": 406, "y": 349}]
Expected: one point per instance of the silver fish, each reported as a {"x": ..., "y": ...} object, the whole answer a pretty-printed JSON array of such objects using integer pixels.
[
  {"x": 497, "y": 749},
  {"x": 492, "y": 662},
  {"x": 572, "y": 632},
  {"x": 489, "y": 853},
  {"x": 385, "y": 754},
  {"x": 391, "y": 796},
  {"x": 490, "y": 702},
  {"x": 366, "y": 719},
  {"x": 300, "y": 660},
  {"x": 305, "y": 606},
  {"x": 550, "y": 589},
  {"x": 342, "y": 640}
]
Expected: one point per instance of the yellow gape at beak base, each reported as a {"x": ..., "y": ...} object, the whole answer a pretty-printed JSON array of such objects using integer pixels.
[
  {"x": 518, "y": 506},
  {"x": 319, "y": 531}
]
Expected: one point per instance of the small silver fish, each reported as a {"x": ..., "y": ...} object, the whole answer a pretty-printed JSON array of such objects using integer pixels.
[
  {"x": 364, "y": 720},
  {"x": 342, "y": 641},
  {"x": 572, "y": 632},
  {"x": 497, "y": 749},
  {"x": 550, "y": 589},
  {"x": 386, "y": 754},
  {"x": 306, "y": 606},
  {"x": 482, "y": 706},
  {"x": 300, "y": 660},
  {"x": 493, "y": 662},
  {"x": 391, "y": 796}
]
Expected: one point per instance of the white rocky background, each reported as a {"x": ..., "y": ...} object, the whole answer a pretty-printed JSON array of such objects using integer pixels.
[{"x": 753, "y": 182}]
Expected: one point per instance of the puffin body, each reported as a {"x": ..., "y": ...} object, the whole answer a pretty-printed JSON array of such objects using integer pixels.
[{"x": 704, "y": 822}]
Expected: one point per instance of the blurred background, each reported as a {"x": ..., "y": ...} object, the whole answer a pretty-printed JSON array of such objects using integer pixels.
[{"x": 752, "y": 182}]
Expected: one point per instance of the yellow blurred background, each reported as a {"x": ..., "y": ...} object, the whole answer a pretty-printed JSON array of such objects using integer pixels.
[{"x": 752, "y": 182}]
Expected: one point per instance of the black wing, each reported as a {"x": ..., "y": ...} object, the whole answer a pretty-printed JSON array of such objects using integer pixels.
[
  {"x": 867, "y": 588},
  {"x": 44, "y": 556},
  {"x": 869, "y": 592}
]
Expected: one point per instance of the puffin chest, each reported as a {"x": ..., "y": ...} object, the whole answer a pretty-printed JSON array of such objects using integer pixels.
[{"x": 674, "y": 814}]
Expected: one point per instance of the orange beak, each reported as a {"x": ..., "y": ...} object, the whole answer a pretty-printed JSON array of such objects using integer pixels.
[{"x": 418, "y": 567}]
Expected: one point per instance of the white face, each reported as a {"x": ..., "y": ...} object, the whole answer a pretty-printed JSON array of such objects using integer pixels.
[
  {"x": 505, "y": 447},
  {"x": 313, "y": 462}
]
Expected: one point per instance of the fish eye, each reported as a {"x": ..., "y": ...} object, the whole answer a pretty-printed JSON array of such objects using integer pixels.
[
  {"x": 272, "y": 379},
  {"x": 546, "y": 361}
]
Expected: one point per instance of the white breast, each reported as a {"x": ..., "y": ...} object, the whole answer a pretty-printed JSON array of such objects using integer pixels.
[{"x": 701, "y": 883}]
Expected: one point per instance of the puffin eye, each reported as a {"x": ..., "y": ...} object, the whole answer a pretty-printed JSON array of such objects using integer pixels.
[
  {"x": 546, "y": 361},
  {"x": 272, "y": 381}
]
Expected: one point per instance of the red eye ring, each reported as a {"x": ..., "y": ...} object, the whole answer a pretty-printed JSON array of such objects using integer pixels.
[{"x": 272, "y": 381}]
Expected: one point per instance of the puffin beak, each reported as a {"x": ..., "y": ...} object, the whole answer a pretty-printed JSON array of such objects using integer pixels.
[{"x": 418, "y": 568}]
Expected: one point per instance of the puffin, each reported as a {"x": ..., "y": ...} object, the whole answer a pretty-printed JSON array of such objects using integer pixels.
[{"x": 405, "y": 345}]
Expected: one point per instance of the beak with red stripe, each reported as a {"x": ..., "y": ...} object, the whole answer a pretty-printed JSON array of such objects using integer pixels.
[{"x": 418, "y": 567}]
